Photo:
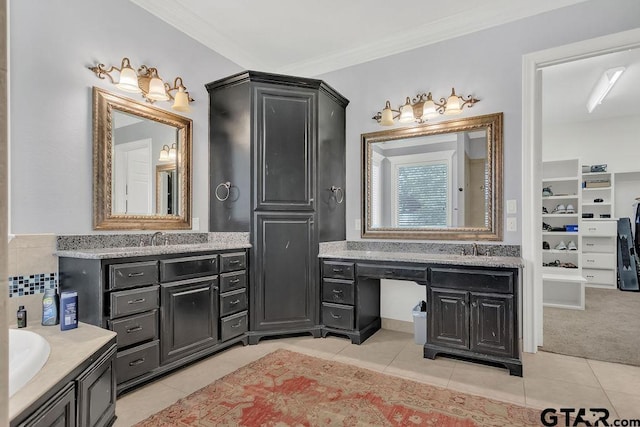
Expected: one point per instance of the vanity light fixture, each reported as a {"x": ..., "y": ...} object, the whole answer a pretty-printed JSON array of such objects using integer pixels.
[
  {"x": 423, "y": 107},
  {"x": 602, "y": 88},
  {"x": 168, "y": 154},
  {"x": 148, "y": 82}
]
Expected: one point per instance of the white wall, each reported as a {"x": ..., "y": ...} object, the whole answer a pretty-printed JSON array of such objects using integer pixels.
[
  {"x": 487, "y": 64},
  {"x": 51, "y": 45}
]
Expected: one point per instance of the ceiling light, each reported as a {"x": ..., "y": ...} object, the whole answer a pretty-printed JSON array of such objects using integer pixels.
[
  {"x": 148, "y": 82},
  {"x": 423, "y": 107},
  {"x": 602, "y": 88}
]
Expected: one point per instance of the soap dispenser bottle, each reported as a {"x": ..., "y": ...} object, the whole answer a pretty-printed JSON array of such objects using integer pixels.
[
  {"x": 22, "y": 317},
  {"x": 50, "y": 308}
]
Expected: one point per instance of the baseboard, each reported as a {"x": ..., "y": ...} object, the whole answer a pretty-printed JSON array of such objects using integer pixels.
[{"x": 397, "y": 325}]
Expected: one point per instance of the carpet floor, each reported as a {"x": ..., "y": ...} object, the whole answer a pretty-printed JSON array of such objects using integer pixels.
[
  {"x": 608, "y": 329},
  {"x": 286, "y": 388}
]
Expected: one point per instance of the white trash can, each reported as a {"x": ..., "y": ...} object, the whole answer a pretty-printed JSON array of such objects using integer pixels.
[{"x": 419, "y": 325}]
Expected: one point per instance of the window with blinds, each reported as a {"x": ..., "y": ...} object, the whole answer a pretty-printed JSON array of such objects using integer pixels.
[{"x": 423, "y": 195}]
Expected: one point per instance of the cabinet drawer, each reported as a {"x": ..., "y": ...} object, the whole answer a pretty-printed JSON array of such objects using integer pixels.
[
  {"x": 233, "y": 262},
  {"x": 123, "y": 276},
  {"x": 338, "y": 291},
  {"x": 135, "y": 329},
  {"x": 337, "y": 270},
  {"x": 392, "y": 272},
  {"x": 599, "y": 244},
  {"x": 599, "y": 228},
  {"x": 233, "y": 281},
  {"x": 232, "y": 302},
  {"x": 337, "y": 315},
  {"x": 137, "y": 361},
  {"x": 232, "y": 326},
  {"x": 124, "y": 303},
  {"x": 600, "y": 277},
  {"x": 188, "y": 267},
  {"x": 598, "y": 260},
  {"x": 472, "y": 280}
]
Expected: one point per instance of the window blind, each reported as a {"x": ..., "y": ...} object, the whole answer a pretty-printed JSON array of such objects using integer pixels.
[{"x": 423, "y": 195}]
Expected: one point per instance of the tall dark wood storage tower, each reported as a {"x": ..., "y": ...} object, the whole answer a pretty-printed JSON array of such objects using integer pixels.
[{"x": 279, "y": 141}]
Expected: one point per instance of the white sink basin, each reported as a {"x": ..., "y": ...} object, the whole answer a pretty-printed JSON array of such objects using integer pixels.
[{"x": 28, "y": 352}]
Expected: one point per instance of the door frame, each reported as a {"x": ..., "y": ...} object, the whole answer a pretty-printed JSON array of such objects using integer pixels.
[{"x": 532, "y": 65}]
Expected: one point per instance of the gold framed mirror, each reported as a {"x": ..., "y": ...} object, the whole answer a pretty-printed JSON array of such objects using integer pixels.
[
  {"x": 439, "y": 181},
  {"x": 141, "y": 166}
]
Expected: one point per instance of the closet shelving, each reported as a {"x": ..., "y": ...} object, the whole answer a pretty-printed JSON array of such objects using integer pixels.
[{"x": 563, "y": 287}]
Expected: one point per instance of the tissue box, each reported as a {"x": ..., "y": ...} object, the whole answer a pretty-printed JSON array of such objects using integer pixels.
[{"x": 68, "y": 310}]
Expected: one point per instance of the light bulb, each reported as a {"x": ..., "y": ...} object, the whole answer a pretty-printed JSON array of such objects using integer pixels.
[
  {"x": 453, "y": 104},
  {"x": 157, "y": 91},
  {"x": 181, "y": 101},
  {"x": 406, "y": 112},
  {"x": 128, "y": 80}
]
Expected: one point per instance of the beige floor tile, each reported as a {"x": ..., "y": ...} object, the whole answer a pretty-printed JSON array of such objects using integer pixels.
[
  {"x": 325, "y": 348},
  {"x": 240, "y": 355},
  {"x": 617, "y": 377},
  {"x": 558, "y": 367},
  {"x": 487, "y": 381},
  {"x": 543, "y": 393},
  {"x": 201, "y": 374},
  {"x": 138, "y": 405},
  {"x": 435, "y": 372},
  {"x": 626, "y": 405}
]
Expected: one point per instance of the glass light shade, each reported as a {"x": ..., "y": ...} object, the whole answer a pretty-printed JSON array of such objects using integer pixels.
[
  {"x": 173, "y": 152},
  {"x": 429, "y": 109},
  {"x": 164, "y": 154},
  {"x": 453, "y": 105},
  {"x": 128, "y": 80},
  {"x": 387, "y": 117},
  {"x": 406, "y": 112},
  {"x": 157, "y": 91},
  {"x": 181, "y": 101}
]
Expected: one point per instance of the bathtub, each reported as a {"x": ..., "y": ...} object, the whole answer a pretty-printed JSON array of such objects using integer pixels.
[{"x": 28, "y": 353}]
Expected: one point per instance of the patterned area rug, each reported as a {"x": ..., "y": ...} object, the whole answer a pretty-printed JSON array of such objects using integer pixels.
[{"x": 291, "y": 389}]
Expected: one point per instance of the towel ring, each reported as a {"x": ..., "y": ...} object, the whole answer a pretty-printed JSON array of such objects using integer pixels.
[
  {"x": 336, "y": 191},
  {"x": 226, "y": 185}
]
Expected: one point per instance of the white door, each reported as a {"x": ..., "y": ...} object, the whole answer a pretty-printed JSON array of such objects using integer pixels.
[{"x": 132, "y": 184}]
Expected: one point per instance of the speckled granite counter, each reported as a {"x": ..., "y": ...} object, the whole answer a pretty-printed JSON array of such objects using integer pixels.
[
  {"x": 69, "y": 349},
  {"x": 479, "y": 261},
  {"x": 104, "y": 253}
]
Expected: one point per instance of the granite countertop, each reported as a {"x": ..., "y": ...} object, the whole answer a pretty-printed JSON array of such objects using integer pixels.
[
  {"x": 69, "y": 349},
  {"x": 469, "y": 260},
  {"x": 103, "y": 253}
]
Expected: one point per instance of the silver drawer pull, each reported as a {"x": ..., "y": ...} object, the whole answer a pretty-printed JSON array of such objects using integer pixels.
[
  {"x": 234, "y": 261},
  {"x": 136, "y": 362},
  {"x": 338, "y": 270},
  {"x": 234, "y": 302},
  {"x": 336, "y": 316},
  {"x": 237, "y": 325},
  {"x": 389, "y": 272},
  {"x": 234, "y": 281},
  {"x": 337, "y": 291},
  {"x": 138, "y": 274},
  {"x": 137, "y": 301},
  {"x": 134, "y": 329}
]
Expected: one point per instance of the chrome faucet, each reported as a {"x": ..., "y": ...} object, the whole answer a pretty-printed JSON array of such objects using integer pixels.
[
  {"x": 475, "y": 249},
  {"x": 154, "y": 238}
]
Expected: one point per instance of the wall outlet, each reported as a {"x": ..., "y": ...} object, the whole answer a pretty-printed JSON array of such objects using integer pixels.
[
  {"x": 512, "y": 206},
  {"x": 356, "y": 225},
  {"x": 195, "y": 224},
  {"x": 512, "y": 224}
]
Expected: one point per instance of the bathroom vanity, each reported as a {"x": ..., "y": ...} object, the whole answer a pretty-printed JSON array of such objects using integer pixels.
[{"x": 169, "y": 305}]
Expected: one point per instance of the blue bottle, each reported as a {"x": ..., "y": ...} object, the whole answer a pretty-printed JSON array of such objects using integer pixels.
[{"x": 50, "y": 308}]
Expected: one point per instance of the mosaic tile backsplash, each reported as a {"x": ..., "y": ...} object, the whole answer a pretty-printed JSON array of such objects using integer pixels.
[{"x": 33, "y": 284}]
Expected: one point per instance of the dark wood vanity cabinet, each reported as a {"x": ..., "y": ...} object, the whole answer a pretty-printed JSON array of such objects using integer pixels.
[
  {"x": 166, "y": 309},
  {"x": 472, "y": 313},
  {"x": 279, "y": 142}
]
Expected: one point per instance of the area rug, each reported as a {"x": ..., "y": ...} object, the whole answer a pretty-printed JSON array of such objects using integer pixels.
[{"x": 286, "y": 388}]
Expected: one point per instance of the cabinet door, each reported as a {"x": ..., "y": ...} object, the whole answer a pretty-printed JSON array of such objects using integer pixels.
[
  {"x": 448, "y": 318},
  {"x": 59, "y": 411},
  {"x": 285, "y": 294},
  {"x": 189, "y": 317},
  {"x": 285, "y": 143},
  {"x": 97, "y": 393},
  {"x": 492, "y": 324}
]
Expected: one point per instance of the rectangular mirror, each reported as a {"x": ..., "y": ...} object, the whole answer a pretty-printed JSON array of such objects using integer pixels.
[
  {"x": 438, "y": 181},
  {"x": 142, "y": 165}
]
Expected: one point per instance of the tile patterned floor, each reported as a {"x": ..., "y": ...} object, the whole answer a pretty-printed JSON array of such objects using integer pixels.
[{"x": 550, "y": 380}]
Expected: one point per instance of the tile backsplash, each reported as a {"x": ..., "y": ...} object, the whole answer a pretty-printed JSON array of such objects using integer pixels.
[{"x": 33, "y": 284}]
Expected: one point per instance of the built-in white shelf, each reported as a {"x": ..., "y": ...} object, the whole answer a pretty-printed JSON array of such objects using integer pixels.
[{"x": 569, "y": 196}]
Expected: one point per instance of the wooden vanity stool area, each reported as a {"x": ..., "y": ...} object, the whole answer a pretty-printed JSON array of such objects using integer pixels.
[{"x": 471, "y": 310}]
